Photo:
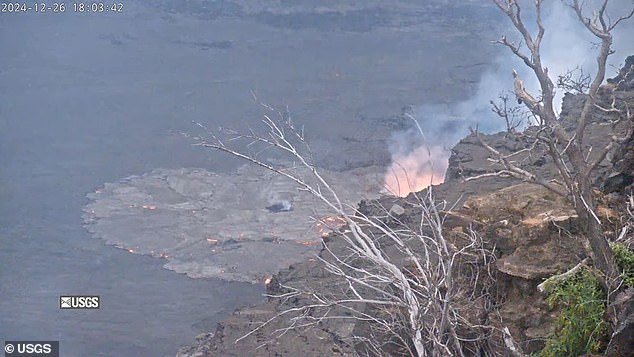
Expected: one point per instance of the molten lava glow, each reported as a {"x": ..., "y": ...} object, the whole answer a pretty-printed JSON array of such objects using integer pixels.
[
  {"x": 417, "y": 170},
  {"x": 328, "y": 223},
  {"x": 158, "y": 254},
  {"x": 150, "y": 207}
]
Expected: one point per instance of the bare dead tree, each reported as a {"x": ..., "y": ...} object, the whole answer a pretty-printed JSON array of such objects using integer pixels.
[
  {"x": 574, "y": 81},
  {"x": 402, "y": 278},
  {"x": 512, "y": 115},
  {"x": 572, "y": 158}
]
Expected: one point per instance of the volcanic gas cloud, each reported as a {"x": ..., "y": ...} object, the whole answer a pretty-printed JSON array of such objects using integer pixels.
[{"x": 416, "y": 170}]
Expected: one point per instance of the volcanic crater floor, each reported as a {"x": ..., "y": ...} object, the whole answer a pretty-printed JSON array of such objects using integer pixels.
[{"x": 221, "y": 225}]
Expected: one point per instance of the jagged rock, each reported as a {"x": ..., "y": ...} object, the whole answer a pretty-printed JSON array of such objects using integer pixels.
[
  {"x": 536, "y": 235},
  {"x": 622, "y": 174},
  {"x": 622, "y": 343},
  {"x": 617, "y": 182},
  {"x": 523, "y": 220},
  {"x": 625, "y": 79},
  {"x": 397, "y": 210}
]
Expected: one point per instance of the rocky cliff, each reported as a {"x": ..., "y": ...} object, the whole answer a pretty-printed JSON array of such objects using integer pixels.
[{"x": 533, "y": 232}]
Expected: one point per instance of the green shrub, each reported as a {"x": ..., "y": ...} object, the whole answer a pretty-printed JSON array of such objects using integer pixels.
[
  {"x": 625, "y": 260},
  {"x": 580, "y": 328}
]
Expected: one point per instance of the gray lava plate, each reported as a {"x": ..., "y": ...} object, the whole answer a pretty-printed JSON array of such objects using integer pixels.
[{"x": 241, "y": 226}]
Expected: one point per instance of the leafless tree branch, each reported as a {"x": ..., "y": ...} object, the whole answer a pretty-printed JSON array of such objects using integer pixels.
[{"x": 409, "y": 294}]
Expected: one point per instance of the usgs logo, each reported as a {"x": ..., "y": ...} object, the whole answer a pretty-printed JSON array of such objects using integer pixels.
[
  {"x": 79, "y": 302},
  {"x": 31, "y": 348}
]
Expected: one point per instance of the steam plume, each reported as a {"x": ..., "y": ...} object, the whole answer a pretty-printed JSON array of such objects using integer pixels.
[{"x": 419, "y": 161}]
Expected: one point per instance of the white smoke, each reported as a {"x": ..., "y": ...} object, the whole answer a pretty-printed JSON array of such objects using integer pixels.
[{"x": 567, "y": 44}]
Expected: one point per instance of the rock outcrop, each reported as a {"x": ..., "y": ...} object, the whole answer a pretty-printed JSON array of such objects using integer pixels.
[
  {"x": 535, "y": 235},
  {"x": 624, "y": 81}
]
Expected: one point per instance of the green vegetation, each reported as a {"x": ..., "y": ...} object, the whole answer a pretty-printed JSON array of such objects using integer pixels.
[
  {"x": 580, "y": 328},
  {"x": 625, "y": 260}
]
